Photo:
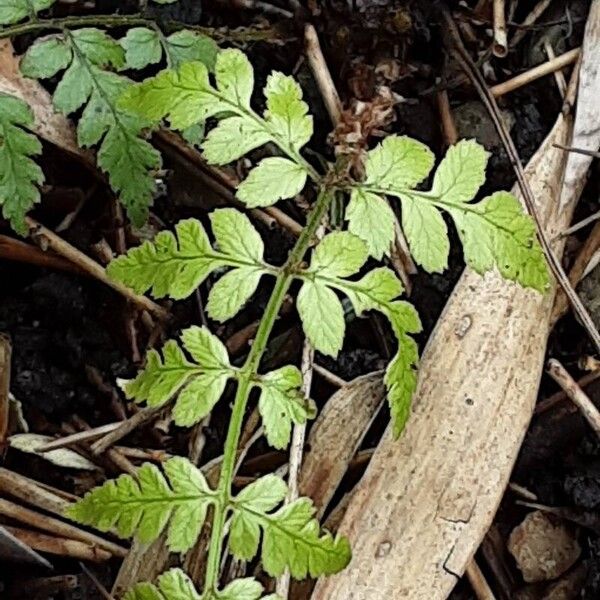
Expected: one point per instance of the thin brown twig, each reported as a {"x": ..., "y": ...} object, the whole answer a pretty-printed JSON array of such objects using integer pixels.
[
  {"x": 447, "y": 120},
  {"x": 124, "y": 429},
  {"x": 5, "y": 367},
  {"x": 490, "y": 102},
  {"x": 77, "y": 438},
  {"x": 559, "y": 76},
  {"x": 478, "y": 582},
  {"x": 49, "y": 239},
  {"x": 575, "y": 393},
  {"x": 56, "y": 527},
  {"x": 578, "y": 150},
  {"x": 529, "y": 20},
  {"x": 560, "y": 396},
  {"x": 542, "y": 70}
]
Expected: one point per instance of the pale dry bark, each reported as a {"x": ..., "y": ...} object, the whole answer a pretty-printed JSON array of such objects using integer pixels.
[{"x": 426, "y": 501}]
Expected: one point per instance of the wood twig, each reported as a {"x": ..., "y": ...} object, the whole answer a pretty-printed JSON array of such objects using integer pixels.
[
  {"x": 49, "y": 239},
  {"x": 547, "y": 68},
  {"x": 500, "y": 45},
  {"x": 19, "y": 251},
  {"x": 59, "y": 546},
  {"x": 77, "y": 438},
  {"x": 56, "y": 527},
  {"x": 529, "y": 20},
  {"x": 478, "y": 582},
  {"x": 322, "y": 75},
  {"x": 447, "y": 120},
  {"x": 5, "y": 366},
  {"x": 575, "y": 393},
  {"x": 559, "y": 76},
  {"x": 583, "y": 151},
  {"x": 124, "y": 428}
]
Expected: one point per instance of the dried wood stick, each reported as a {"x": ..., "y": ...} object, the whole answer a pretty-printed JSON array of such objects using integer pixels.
[
  {"x": 48, "y": 238},
  {"x": 19, "y": 251},
  {"x": 559, "y": 76},
  {"x": 478, "y": 582},
  {"x": 500, "y": 45},
  {"x": 579, "y": 268},
  {"x": 447, "y": 120},
  {"x": 329, "y": 376},
  {"x": 125, "y": 428},
  {"x": 5, "y": 365},
  {"x": 60, "y": 528},
  {"x": 80, "y": 436},
  {"x": 101, "y": 589},
  {"x": 583, "y": 151},
  {"x": 542, "y": 70},
  {"x": 322, "y": 74},
  {"x": 31, "y": 492},
  {"x": 575, "y": 393},
  {"x": 531, "y": 18},
  {"x": 59, "y": 545}
]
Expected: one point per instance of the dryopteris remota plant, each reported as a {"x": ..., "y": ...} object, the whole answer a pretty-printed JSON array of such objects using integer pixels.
[{"x": 495, "y": 233}]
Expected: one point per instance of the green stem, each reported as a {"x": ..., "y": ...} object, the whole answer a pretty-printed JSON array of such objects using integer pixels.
[
  {"x": 282, "y": 284},
  {"x": 136, "y": 20}
]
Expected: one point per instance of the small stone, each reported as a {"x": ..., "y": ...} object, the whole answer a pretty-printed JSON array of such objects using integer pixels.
[{"x": 543, "y": 547}]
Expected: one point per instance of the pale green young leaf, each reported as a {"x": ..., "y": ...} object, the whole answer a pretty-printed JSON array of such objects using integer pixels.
[
  {"x": 426, "y": 233},
  {"x": 264, "y": 494},
  {"x": 401, "y": 381},
  {"x": 197, "y": 399},
  {"x": 163, "y": 376},
  {"x": 20, "y": 176},
  {"x": 200, "y": 384},
  {"x": 287, "y": 114},
  {"x": 189, "y": 46},
  {"x": 322, "y": 317},
  {"x": 497, "y": 233},
  {"x": 185, "y": 97},
  {"x": 205, "y": 348},
  {"x": 461, "y": 172},
  {"x": 171, "y": 585},
  {"x": 379, "y": 290},
  {"x": 291, "y": 539},
  {"x": 273, "y": 179},
  {"x": 372, "y": 220},
  {"x": 339, "y": 254},
  {"x": 398, "y": 162},
  {"x": 171, "y": 265},
  {"x": 142, "y": 47},
  {"x": 241, "y": 589},
  {"x": 235, "y": 76},
  {"x": 194, "y": 134},
  {"x": 147, "y": 505},
  {"x": 236, "y": 236},
  {"x": 13, "y": 11},
  {"x": 46, "y": 57},
  {"x": 282, "y": 403},
  {"x": 231, "y": 292},
  {"x": 232, "y": 138}
]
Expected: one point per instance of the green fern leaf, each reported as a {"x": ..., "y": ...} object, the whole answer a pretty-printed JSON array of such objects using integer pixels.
[
  {"x": 171, "y": 585},
  {"x": 282, "y": 403},
  {"x": 123, "y": 153},
  {"x": 144, "y": 46},
  {"x": 187, "y": 96},
  {"x": 147, "y": 505},
  {"x": 13, "y": 11},
  {"x": 20, "y": 176},
  {"x": 175, "y": 265},
  {"x": 291, "y": 536},
  {"x": 199, "y": 384},
  {"x": 241, "y": 589}
]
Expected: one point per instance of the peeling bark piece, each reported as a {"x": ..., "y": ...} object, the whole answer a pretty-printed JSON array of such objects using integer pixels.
[
  {"x": 543, "y": 548},
  {"x": 426, "y": 501}
]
